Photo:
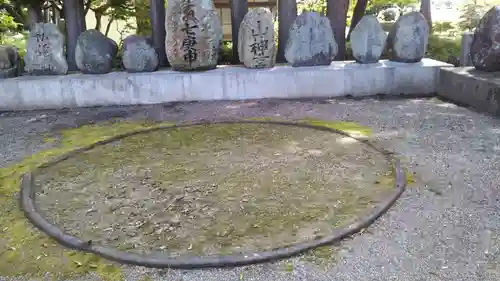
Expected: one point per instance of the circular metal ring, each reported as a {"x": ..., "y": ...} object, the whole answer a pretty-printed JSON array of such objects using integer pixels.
[{"x": 160, "y": 260}]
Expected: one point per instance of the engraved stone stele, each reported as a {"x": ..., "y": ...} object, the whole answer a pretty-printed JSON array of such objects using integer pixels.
[
  {"x": 256, "y": 46},
  {"x": 45, "y": 51},
  {"x": 368, "y": 40},
  {"x": 95, "y": 52},
  {"x": 193, "y": 35},
  {"x": 9, "y": 61},
  {"x": 310, "y": 41},
  {"x": 139, "y": 54},
  {"x": 485, "y": 47},
  {"x": 408, "y": 38}
]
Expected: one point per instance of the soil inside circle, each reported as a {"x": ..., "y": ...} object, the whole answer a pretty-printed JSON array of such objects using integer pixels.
[{"x": 214, "y": 189}]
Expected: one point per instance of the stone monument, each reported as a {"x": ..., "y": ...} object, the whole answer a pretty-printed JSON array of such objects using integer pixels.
[
  {"x": 45, "y": 51},
  {"x": 9, "y": 62},
  {"x": 256, "y": 46},
  {"x": 409, "y": 37},
  {"x": 368, "y": 40},
  {"x": 310, "y": 41},
  {"x": 95, "y": 52},
  {"x": 193, "y": 35},
  {"x": 139, "y": 55},
  {"x": 485, "y": 48}
]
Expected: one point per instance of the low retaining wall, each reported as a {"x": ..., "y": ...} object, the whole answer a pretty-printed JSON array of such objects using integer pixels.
[
  {"x": 467, "y": 86},
  {"x": 224, "y": 83}
]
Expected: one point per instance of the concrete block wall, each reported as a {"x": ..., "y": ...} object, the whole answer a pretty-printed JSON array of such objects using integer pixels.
[{"x": 224, "y": 83}]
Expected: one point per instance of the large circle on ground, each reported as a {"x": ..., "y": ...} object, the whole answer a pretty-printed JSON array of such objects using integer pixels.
[{"x": 214, "y": 189}]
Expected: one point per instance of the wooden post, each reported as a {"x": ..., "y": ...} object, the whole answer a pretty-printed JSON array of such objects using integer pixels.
[
  {"x": 46, "y": 15},
  {"x": 157, "y": 14},
  {"x": 239, "y": 8},
  {"x": 336, "y": 12},
  {"x": 465, "y": 59},
  {"x": 72, "y": 18},
  {"x": 425, "y": 9},
  {"x": 357, "y": 15},
  {"x": 81, "y": 15},
  {"x": 287, "y": 12},
  {"x": 34, "y": 13},
  {"x": 55, "y": 15}
]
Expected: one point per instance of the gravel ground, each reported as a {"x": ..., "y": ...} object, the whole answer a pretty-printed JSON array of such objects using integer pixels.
[{"x": 445, "y": 227}]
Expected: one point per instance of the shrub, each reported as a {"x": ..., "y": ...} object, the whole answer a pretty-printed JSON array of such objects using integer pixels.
[
  {"x": 443, "y": 26},
  {"x": 470, "y": 16},
  {"x": 443, "y": 49},
  {"x": 226, "y": 52}
]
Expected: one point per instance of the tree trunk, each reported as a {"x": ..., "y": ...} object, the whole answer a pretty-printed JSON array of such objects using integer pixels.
[
  {"x": 81, "y": 15},
  {"x": 425, "y": 9},
  {"x": 98, "y": 13},
  {"x": 87, "y": 6},
  {"x": 287, "y": 12},
  {"x": 73, "y": 10},
  {"x": 55, "y": 14},
  {"x": 108, "y": 26},
  {"x": 239, "y": 8},
  {"x": 46, "y": 15},
  {"x": 34, "y": 13},
  {"x": 336, "y": 11},
  {"x": 98, "y": 22},
  {"x": 157, "y": 15},
  {"x": 358, "y": 13}
]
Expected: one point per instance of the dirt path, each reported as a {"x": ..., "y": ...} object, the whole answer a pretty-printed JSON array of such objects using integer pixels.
[{"x": 444, "y": 228}]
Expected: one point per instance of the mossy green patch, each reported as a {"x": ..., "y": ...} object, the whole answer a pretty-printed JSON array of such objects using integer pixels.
[
  {"x": 264, "y": 119},
  {"x": 287, "y": 266},
  {"x": 322, "y": 256},
  {"x": 24, "y": 251},
  {"x": 146, "y": 278},
  {"x": 216, "y": 164},
  {"x": 352, "y": 128}
]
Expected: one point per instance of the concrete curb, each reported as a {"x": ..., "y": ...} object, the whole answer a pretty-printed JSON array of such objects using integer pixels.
[
  {"x": 470, "y": 87},
  {"x": 224, "y": 83}
]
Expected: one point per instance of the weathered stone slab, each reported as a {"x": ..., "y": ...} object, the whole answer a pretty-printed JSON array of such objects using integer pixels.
[
  {"x": 139, "y": 55},
  {"x": 368, "y": 40},
  {"x": 9, "y": 62},
  {"x": 95, "y": 52},
  {"x": 193, "y": 34},
  {"x": 256, "y": 46},
  {"x": 485, "y": 48},
  {"x": 408, "y": 38},
  {"x": 470, "y": 87},
  {"x": 310, "y": 41},
  {"x": 45, "y": 51}
]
